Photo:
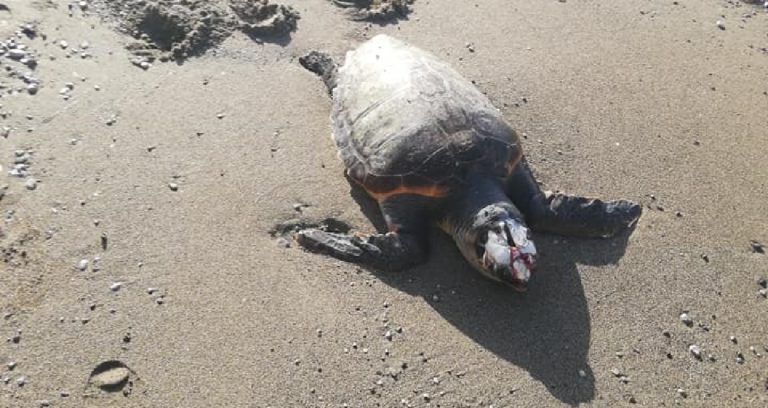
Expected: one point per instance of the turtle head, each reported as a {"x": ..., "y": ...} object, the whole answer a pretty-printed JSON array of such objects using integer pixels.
[{"x": 498, "y": 245}]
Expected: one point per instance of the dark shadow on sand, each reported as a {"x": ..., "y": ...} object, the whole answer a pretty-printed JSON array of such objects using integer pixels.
[{"x": 546, "y": 331}]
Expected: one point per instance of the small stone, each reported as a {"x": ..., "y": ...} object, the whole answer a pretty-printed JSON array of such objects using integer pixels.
[
  {"x": 666, "y": 334},
  {"x": 45, "y": 403},
  {"x": 582, "y": 374},
  {"x": 762, "y": 282},
  {"x": 624, "y": 379},
  {"x": 21, "y": 381},
  {"x": 720, "y": 24},
  {"x": 173, "y": 186},
  {"x": 686, "y": 319},
  {"x": 82, "y": 265},
  {"x": 681, "y": 392},
  {"x": 33, "y": 88},
  {"x": 740, "y": 358},
  {"x": 733, "y": 339},
  {"x": 426, "y": 397},
  {"x": 110, "y": 375},
  {"x": 220, "y": 116},
  {"x": 151, "y": 290},
  {"x": 116, "y": 286},
  {"x": 97, "y": 88},
  {"x": 763, "y": 293},
  {"x": 695, "y": 350},
  {"x": 388, "y": 335},
  {"x": 435, "y": 298},
  {"x": 616, "y": 372},
  {"x": 16, "y": 54},
  {"x": 84, "y": 45},
  {"x": 64, "y": 394},
  {"x": 757, "y": 247},
  {"x": 11, "y": 365},
  {"x": 31, "y": 184},
  {"x": 160, "y": 301}
]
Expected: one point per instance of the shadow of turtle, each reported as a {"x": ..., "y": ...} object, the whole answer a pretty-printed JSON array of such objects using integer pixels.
[{"x": 545, "y": 331}]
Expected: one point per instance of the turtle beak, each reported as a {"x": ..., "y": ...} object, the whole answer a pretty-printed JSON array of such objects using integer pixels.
[{"x": 509, "y": 255}]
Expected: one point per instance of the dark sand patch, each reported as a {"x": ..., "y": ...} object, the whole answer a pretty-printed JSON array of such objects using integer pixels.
[
  {"x": 375, "y": 10},
  {"x": 167, "y": 30}
]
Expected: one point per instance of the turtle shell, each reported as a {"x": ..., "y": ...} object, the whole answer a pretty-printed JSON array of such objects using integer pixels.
[{"x": 405, "y": 122}]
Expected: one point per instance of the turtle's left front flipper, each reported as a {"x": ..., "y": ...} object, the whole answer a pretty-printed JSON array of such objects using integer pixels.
[
  {"x": 566, "y": 214},
  {"x": 391, "y": 251}
]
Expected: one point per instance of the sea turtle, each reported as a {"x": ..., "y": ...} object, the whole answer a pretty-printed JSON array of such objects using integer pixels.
[{"x": 430, "y": 147}]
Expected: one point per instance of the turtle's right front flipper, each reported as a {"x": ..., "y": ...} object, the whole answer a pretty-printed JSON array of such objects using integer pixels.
[
  {"x": 391, "y": 251},
  {"x": 566, "y": 214}
]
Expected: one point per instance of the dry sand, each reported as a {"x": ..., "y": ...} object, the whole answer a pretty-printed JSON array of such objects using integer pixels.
[{"x": 631, "y": 99}]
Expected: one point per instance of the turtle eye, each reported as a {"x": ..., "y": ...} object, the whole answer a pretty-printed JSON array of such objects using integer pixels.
[
  {"x": 482, "y": 238},
  {"x": 479, "y": 250}
]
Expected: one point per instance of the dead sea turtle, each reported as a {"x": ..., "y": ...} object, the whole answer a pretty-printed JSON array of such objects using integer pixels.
[{"x": 430, "y": 147}]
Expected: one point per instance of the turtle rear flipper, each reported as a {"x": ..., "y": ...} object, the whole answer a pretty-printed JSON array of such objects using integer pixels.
[
  {"x": 569, "y": 215},
  {"x": 323, "y": 65}
]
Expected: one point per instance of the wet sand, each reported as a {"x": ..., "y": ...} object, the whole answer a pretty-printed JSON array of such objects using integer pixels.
[{"x": 173, "y": 176}]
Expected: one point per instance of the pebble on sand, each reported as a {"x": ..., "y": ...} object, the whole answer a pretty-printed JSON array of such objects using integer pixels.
[
  {"x": 686, "y": 319},
  {"x": 82, "y": 265},
  {"x": 388, "y": 335},
  {"x": 720, "y": 24},
  {"x": 173, "y": 186},
  {"x": 116, "y": 286},
  {"x": 31, "y": 184},
  {"x": 695, "y": 350}
]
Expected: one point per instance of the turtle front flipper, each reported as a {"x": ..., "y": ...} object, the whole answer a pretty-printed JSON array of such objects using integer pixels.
[
  {"x": 391, "y": 251},
  {"x": 405, "y": 244},
  {"x": 569, "y": 215}
]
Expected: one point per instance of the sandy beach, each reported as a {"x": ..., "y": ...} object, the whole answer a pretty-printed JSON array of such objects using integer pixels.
[{"x": 149, "y": 148}]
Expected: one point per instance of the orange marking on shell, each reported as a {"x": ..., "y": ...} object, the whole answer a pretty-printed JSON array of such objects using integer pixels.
[
  {"x": 427, "y": 191},
  {"x": 513, "y": 163}
]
